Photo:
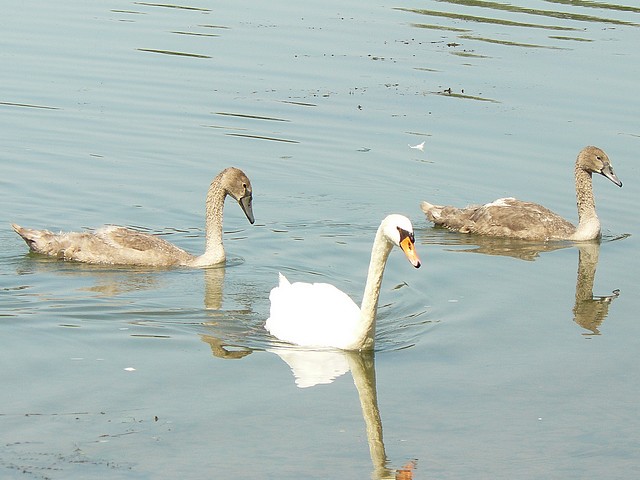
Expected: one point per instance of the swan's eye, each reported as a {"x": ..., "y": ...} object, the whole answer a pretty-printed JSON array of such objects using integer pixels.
[{"x": 404, "y": 234}]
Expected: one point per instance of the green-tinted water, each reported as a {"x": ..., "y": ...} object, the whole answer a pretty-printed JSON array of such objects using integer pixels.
[{"x": 493, "y": 360}]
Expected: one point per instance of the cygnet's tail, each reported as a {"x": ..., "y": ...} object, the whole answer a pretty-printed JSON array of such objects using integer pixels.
[
  {"x": 454, "y": 218},
  {"x": 431, "y": 211},
  {"x": 37, "y": 240}
]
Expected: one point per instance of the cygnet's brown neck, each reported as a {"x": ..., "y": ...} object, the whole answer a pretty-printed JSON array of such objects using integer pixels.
[{"x": 588, "y": 222}]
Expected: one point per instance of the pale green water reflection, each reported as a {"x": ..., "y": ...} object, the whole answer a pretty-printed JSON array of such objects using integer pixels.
[{"x": 517, "y": 362}]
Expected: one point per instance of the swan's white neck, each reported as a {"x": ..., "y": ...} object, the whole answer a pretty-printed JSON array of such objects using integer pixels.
[
  {"x": 588, "y": 222},
  {"x": 367, "y": 327}
]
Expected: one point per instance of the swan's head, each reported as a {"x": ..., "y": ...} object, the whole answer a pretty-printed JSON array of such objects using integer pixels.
[
  {"x": 399, "y": 231},
  {"x": 238, "y": 185},
  {"x": 594, "y": 160}
]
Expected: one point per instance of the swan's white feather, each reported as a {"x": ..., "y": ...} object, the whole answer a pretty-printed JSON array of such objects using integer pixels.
[{"x": 312, "y": 314}]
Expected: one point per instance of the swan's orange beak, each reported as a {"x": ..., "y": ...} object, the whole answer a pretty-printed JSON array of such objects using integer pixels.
[{"x": 409, "y": 249}]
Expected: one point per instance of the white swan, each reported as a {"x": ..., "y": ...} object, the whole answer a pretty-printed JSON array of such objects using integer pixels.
[
  {"x": 511, "y": 218},
  {"x": 122, "y": 246},
  {"x": 320, "y": 315}
]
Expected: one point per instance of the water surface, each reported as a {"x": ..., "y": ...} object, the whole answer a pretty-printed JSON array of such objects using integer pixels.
[{"x": 494, "y": 360}]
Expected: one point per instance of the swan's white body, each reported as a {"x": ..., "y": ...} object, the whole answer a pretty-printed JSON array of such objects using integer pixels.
[
  {"x": 313, "y": 314},
  {"x": 122, "y": 246},
  {"x": 320, "y": 315}
]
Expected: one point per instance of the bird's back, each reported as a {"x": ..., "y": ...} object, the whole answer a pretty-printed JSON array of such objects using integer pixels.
[
  {"x": 505, "y": 217},
  {"x": 311, "y": 314},
  {"x": 108, "y": 245}
]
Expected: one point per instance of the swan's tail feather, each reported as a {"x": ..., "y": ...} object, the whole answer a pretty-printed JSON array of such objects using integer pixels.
[{"x": 283, "y": 282}]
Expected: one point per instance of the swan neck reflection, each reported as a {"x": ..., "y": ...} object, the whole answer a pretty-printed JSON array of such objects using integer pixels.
[{"x": 590, "y": 311}]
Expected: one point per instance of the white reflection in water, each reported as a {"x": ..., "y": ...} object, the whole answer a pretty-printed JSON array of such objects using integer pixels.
[{"x": 315, "y": 367}]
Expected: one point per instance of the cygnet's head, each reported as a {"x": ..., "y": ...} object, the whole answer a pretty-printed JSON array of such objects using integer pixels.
[
  {"x": 594, "y": 160},
  {"x": 238, "y": 185}
]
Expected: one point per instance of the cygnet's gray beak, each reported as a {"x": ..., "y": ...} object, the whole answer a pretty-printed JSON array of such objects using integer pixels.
[
  {"x": 607, "y": 171},
  {"x": 245, "y": 204}
]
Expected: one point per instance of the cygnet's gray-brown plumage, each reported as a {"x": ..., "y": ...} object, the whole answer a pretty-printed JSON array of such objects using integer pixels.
[
  {"x": 123, "y": 246},
  {"x": 511, "y": 218}
]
